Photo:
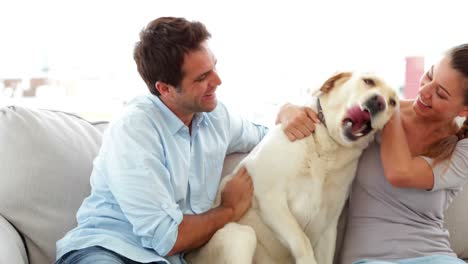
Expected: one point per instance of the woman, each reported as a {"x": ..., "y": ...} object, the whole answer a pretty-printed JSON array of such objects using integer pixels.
[{"x": 398, "y": 198}]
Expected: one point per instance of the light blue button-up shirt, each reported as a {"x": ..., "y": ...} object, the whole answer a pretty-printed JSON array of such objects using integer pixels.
[{"x": 149, "y": 172}]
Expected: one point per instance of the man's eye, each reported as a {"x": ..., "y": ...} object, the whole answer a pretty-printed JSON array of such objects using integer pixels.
[{"x": 201, "y": 78}]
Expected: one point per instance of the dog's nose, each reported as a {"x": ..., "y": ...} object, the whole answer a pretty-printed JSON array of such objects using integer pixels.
[{"x": 375, "y": 104}]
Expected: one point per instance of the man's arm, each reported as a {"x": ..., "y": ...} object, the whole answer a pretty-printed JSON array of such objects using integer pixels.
[
  {"x": 244, "y": 135},
  {"x": 195, "y": 230}
]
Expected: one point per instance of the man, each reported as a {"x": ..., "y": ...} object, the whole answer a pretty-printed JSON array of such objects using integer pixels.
[{"x": 158, "y": 170}]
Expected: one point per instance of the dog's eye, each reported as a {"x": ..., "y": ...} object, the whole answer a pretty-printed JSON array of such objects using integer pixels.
[
  {"x": 392, "y": 102},
  {"x": 369, "y": 81}
]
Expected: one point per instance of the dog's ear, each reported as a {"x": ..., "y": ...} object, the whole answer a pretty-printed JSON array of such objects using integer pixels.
[{"x": 331, "y": 82}]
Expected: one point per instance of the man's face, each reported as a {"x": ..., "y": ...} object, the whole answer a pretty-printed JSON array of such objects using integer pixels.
[{"x": 197, "y": 91}]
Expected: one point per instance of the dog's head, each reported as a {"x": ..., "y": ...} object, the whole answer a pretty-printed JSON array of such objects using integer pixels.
[{"x": 355, "y": 106}]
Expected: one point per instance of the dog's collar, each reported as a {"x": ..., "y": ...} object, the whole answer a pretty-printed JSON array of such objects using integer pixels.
[{"x": 320, "y": 112}]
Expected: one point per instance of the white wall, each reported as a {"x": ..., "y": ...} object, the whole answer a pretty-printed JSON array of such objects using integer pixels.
[{"x": 268, "y": 51}]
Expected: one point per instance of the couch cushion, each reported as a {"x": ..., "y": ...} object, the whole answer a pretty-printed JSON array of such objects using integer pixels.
[
  {"x": 231, "y": 161},
  {"x": 46, "y": 160},
  {"x": 12, "y": 249},
  {"x": 456, "y": 221}
]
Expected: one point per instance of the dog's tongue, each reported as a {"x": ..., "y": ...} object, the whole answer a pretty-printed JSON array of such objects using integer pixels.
[{"x": 359, "y": 117}]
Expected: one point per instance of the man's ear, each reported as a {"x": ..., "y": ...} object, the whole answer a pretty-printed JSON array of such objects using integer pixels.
[{"x": 162, "y": 87}]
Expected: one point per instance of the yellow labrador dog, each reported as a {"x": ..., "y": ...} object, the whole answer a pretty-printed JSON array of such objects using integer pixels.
[{"x": 300, "y": 187}]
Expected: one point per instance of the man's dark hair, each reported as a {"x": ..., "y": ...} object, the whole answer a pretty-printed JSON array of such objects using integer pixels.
[{"x": 159, "y": 54}]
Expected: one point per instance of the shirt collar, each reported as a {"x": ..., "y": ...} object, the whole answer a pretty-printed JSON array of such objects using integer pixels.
[
  {"x": 173, "y": 122},
  {"x": 199, "y": 119}
]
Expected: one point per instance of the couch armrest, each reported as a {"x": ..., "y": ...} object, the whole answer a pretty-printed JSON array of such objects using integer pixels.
[{"x": 12, "y": 248}]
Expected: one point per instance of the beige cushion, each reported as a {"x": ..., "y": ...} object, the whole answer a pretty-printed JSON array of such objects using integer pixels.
[
  {"x": 12, "y": 248},
  {"x": 231, "y": 161},
  {"x": 46, "y": 160},
  {"x": 456, "y": 221}
]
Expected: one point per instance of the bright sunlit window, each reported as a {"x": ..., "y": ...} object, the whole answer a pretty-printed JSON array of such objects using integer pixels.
[{"x": 76, "y": 56}]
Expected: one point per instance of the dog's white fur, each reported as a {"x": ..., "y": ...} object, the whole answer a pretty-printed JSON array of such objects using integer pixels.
[{"x": 301, "y": 186}]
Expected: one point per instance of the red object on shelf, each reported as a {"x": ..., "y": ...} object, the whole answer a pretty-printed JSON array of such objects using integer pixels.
[{"x": 413, "y": 73}]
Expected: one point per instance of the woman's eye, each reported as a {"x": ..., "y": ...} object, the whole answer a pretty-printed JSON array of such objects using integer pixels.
[
  {"x": 428, "y": 76},
  {"x": 439, "y": 94},
  {"x": 425, "y": 79}
]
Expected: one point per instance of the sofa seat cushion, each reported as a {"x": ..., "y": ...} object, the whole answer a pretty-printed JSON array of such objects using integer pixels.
[
  {"x": 12, "y": 249},
  {"x": 456, "y": 221},
  {"x": 46, "y": 160}
]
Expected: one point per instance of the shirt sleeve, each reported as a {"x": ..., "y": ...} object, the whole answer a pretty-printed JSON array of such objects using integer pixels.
[
  {"x": 243, "y": 134},
  {"x": 140, "y": 182},
  {"x": 452, "y": 173}
]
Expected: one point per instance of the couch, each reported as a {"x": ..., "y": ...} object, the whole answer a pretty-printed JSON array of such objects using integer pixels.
[{"x": 45, "y": 163}]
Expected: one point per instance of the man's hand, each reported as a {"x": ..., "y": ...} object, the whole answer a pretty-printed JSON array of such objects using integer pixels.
[
  {"x": 195, "y": 230},
  {"x": 237, "y": 194},
  {"x": 299, "y": 121}
]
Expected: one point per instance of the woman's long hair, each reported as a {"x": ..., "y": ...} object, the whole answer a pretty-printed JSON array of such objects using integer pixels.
[{"x": 444, "y": 148}]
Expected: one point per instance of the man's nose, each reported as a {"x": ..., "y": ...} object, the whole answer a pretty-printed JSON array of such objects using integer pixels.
[{"x": 216, "y": 78}]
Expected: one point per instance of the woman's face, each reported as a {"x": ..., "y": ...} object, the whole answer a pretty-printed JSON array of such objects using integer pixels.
[{"x": 440, "y": 95}]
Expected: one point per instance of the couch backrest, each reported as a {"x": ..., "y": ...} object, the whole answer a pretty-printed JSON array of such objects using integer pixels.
[
  {"x": 45, "y": 163},
  {"x": 456, "y": 221}
]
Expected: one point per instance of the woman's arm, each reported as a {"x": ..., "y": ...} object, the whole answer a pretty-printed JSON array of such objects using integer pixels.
[{"x": 400, "y": 167}]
